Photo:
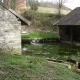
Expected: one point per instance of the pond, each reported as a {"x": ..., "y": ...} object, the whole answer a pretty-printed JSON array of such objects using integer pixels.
[{"x": 51, "y": 50}]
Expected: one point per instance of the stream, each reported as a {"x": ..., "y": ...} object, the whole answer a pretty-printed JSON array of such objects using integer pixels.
[{"x": 59, "y": 51}]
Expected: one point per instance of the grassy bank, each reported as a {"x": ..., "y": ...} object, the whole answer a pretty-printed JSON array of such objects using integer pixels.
[
  {"x": 41, "y": 22},
  {"x": 43, "y": 19},
  {"x": 52, "y": 10},
  {"x": 13, "y": 67},
  {"x": 40, "y": 35}
]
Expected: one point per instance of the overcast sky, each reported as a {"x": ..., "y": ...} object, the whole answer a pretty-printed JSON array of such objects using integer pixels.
[{"x": 70, "y": 3}]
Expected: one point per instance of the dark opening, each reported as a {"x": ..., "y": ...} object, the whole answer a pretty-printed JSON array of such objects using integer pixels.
[
  {"x": 78, "y": 65},
  {"x": 75, "y": 33},
  {"x": 67, "y": 31}
]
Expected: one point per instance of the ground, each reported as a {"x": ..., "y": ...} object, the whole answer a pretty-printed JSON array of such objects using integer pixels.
[{"x": 13, "y": 67}]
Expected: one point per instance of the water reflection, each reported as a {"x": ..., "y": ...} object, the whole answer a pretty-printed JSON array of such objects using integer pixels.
[
  {"x": 36, "y": 44},
  {"x": 52, "y": 50}
]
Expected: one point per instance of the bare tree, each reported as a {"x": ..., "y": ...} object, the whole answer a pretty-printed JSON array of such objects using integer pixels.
[{"x": 60, "y": 4}]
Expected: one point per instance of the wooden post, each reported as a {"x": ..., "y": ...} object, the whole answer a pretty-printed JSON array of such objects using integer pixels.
[
  {"x": 71, "y": 34},
  {"x": 58, "y": 31}
]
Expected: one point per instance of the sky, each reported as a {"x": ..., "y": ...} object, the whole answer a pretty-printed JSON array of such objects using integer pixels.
[{"x": 70, "y": 3}]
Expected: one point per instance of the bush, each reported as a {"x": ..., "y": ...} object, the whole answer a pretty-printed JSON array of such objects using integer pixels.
[{"x": 44, "y": 21}]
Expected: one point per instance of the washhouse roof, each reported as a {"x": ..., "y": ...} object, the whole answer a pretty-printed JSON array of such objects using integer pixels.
[{"x": 72, "y": 18}]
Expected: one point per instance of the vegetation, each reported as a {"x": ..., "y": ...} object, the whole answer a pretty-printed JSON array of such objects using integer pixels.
[
  {"x": 33, "y": 4},
  {"x": 42, "y": 21},
  {"x": 29, "y": 14},
  {"x": 51, "y": 10},
  {"x": 12, "y": 4},
  {"x": 13, "y": 67},
  {"x": 40, "y": 35},
  {"x": 60, "y": 4},
  {"x": 57, "y": 7}
]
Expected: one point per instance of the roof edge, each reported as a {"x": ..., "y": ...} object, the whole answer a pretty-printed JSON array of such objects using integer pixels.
[{"x": 16, "y": 14}]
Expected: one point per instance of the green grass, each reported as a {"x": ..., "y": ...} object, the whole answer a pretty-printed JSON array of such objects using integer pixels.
[
  {"x": 13, "y": 67},
  {"x": 40, "y": 35}
]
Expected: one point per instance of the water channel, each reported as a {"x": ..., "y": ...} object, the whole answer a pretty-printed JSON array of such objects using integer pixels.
[{"x": 59, "y": 51}]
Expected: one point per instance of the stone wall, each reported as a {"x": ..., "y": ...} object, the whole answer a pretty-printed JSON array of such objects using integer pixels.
[{"x": 10, "y": 33}]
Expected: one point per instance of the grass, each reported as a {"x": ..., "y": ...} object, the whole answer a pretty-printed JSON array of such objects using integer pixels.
[
  {"x": 40, "y": 35},
  {"x": 13, "y": 67},
  {"x": 51, "y": 10},
  {"x": 47, "y": 10}
]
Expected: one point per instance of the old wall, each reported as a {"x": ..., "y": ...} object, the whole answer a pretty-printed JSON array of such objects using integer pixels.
[
  {"x": 10, "y": 33},
  {"x": 21, "y": 4}
]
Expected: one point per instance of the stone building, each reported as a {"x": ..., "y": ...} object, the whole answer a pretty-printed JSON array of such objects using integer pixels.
[
  {"x": 10, "y": 30},
  {"x": 69, "y": 26}
]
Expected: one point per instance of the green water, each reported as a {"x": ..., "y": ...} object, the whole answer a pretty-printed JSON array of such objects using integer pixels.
[{"x": 52, "y": 50}]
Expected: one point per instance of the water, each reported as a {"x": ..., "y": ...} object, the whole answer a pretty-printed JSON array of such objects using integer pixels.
[{"x": 52, "y": 50}]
